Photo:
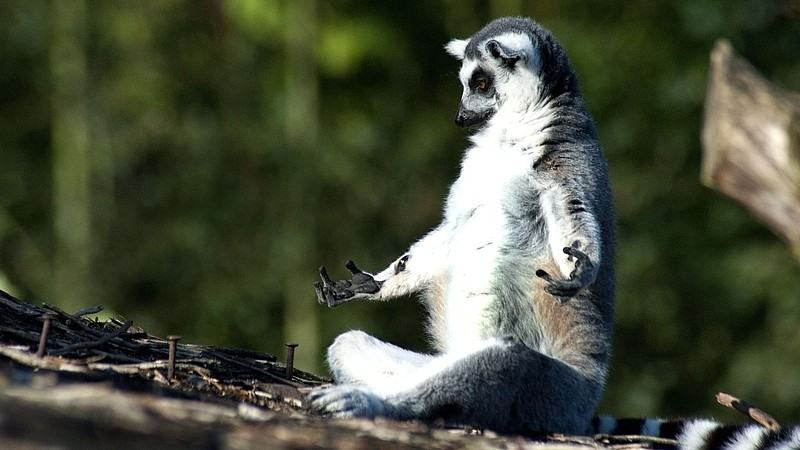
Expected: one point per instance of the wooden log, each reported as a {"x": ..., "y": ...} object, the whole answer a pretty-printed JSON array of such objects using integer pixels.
[
  {"x": 220, "y": 398},
  {"x": 751, "y": 143},
  {"x": 98, "y": 416}
]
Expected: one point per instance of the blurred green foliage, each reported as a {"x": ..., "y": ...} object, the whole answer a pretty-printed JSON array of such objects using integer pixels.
[{"x": 226, "y": 149}]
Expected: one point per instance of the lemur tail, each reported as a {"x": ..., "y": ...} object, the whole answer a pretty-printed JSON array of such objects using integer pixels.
[{"x": 703, "y": 434}]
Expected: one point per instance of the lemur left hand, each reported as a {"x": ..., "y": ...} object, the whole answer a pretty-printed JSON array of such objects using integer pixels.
[
  {"x": 334, "y": 293},
  {"x": 580, "y": 277}
]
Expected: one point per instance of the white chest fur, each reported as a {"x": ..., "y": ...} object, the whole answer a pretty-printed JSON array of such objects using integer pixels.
[{"x": 475, "y": 210}]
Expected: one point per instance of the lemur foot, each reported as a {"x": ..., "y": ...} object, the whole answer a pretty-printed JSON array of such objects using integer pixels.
[
  {"x": 334, "y": 293},
  {"x": 345, "y": 401},
  {"x": 564, "y": 290}
]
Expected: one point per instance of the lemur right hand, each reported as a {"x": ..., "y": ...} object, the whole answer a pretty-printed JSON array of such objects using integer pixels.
[
  {"x": 582, "y": 276},
  {"x": 334, "y": 293}
]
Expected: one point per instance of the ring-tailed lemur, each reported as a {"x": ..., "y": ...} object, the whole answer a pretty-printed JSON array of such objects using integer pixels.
[{"x": 519, "y": 276}]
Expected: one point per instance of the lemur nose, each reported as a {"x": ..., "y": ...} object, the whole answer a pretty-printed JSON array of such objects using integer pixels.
[{"x": 461, "y": 116}]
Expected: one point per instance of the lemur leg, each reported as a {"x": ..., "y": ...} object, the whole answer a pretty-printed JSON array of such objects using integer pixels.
[
  {"x": 408, "y": 273},
  {"x": 573, "y": 236},
  {"x": 503, "y": 385},
  {"x": 358, "y": 358}
]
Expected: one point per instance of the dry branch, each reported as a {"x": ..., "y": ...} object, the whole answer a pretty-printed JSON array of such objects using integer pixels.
[
  {"x": 754, "y": 413},
  {"x": 94, "y": 343},
  {"x": 635, "y": 439},
  {"x": 751, "y": 142},
  {"x": 88, "y": 310}
]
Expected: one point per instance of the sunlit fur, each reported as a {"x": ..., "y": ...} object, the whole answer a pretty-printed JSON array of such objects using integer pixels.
[{"x": 510, "y": 356}]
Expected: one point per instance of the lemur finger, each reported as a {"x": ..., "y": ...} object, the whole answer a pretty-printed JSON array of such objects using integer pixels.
[
  {"x": 348, "y": 401},
  {"x": 326, "y": 295},
  {"x": 315, "y": 394},
  {"x": 335, "y": 299},
  {"x": 543, "y": 275},
  {"x": 561, "y": 288},
  {"x": 330, "y": 298},
  {"x": 329, "y": 401},
  {"x": 566, "y": 288},
  {"x": 323, "y": 274},
  {"x": 563, "y": 297},
  {"x": 334, "y": 286},
  {"x": 351, "y": 266},
  {"x": 582, "y": 261},
  {"x": 579, "y": 255},
  {"x": 320, "y": 294}
]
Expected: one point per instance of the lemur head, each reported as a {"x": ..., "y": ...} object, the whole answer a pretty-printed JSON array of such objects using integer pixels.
[{"x": 510, "y": 65}]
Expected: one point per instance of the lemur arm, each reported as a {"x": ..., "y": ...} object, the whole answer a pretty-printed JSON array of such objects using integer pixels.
[
  {"x": 407, "y": 274},
  {"x": 573, "y": 236}
]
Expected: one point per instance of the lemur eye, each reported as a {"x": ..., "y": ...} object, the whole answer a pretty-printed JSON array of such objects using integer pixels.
[{"x": 483, "y": 84}]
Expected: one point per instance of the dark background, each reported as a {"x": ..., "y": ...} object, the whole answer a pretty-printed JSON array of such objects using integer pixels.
[{"x": 189, "y": 164}]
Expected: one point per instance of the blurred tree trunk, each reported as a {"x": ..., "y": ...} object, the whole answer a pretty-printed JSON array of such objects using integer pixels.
[
  {"x": 70, "y": 152},
  {"x": 751, "y": 142},
  {"x": 301, "y": 128}
]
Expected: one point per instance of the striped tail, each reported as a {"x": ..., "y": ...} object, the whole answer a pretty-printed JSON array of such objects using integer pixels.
[{"x": 702, "y": 434}]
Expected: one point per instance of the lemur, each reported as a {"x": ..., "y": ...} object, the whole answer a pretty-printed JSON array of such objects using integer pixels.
[{"x": 518, "y": 278}]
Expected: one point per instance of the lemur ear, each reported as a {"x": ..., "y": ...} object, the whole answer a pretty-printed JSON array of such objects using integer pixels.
[
  {"x": 456, "y": 47},
  {"x": 508, "y": 57}
]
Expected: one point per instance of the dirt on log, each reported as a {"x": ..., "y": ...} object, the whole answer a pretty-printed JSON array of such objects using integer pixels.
[{"x": 751, "y": 143}]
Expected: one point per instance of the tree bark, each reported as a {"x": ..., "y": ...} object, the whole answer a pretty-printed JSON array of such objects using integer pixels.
[{"x": 751, "y": 143}]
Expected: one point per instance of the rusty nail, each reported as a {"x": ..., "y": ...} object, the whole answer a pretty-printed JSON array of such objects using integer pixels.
[
  {"x": 290, "y": 346},
  {"x": 47, "y": 319},
  {"x": 173, "y": 348}
]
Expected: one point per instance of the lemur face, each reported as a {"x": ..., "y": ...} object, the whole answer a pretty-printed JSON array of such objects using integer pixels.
[{"x": 497, "y": 73}]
